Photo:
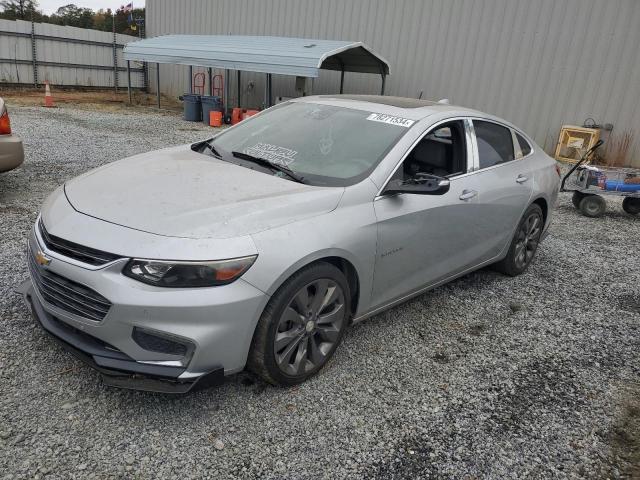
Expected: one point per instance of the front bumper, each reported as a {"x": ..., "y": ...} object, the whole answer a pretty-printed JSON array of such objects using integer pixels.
[
  {"x": 215, "y": 323},
  {"x": 116, "y": 368}
]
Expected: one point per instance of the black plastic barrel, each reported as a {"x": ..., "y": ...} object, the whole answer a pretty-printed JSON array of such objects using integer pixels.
[
  {"x": 192, "y": 107},
  {"x": 209, "y": 104}
]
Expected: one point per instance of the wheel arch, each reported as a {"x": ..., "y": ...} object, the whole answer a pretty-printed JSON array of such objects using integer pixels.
[
  {"x": 544, "y": 206},
  {"x": 543, "y": 203},
  {"x": 341, "y": 259},
  {"x": 350, "y": 272}
]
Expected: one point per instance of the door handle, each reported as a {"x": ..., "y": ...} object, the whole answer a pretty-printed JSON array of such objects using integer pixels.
[
  {"x": 522, "y": 178},
  {"x": 468, "y": 194}
]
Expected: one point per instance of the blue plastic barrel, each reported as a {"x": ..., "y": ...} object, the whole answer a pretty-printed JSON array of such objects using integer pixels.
[
  {"x": 192, "y": 107},
  {"x": 210, "y": 103},
  {"x": 620, "y": 186}
]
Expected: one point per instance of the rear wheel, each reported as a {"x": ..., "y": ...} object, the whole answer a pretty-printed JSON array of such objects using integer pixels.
[
  {"x": 302, "y": 325},
  {"x": 631, "y": 205},
  {"x": 524, "y": 243},
  {"x": 577, "y": 198},
  {"x": 593, "y": 206}
]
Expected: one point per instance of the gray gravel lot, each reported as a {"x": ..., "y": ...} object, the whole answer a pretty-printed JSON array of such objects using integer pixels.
[{"x": 488, "y": 377}]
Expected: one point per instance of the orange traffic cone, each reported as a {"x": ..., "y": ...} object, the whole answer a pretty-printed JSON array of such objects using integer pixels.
[{"x": 48, "y": 99}]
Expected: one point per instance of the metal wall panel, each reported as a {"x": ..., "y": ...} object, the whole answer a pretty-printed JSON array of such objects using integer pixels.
[
  {"x": 537, "y": 63},
  {"x": 15, "y": 49}
]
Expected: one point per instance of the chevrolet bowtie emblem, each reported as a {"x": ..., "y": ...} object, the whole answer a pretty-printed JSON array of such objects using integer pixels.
[{"x": 42, "y": 259}]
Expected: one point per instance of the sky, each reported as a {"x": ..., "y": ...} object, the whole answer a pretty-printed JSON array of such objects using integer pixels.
[{"x": 50, "y": 6}]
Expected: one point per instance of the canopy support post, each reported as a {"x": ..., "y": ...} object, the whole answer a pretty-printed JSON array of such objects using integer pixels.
[
  {"x": 190, "y": 79},
  {"x": 129, "y": 80},
  {"x": 239, "y": 90},
  {"x": 158, "y": 84},
  {"x": 267, "y": 94},
  {"x": 226, "y": 92},
  {"x": 341, "y": 74},
  {"x": 384, "y": 78},
  {"x": 210, "y": 75}
]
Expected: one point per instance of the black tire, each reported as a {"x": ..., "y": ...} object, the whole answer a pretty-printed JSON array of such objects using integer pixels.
[
  {"x": 511, "y": 264},
  {"x": 631, "y": 205},
  {"x": 593, "y": 206},
  {"x": 577, "y": 198},
  {"x": 264, "y": 359}
]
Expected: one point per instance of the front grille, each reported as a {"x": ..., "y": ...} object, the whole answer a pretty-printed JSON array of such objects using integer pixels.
[
  {"x": 75, "y": 250},
  {"x": 68, "y": 295}
]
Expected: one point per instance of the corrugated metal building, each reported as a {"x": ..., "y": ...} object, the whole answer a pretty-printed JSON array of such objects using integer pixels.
[{"x": 537, "y": 63}]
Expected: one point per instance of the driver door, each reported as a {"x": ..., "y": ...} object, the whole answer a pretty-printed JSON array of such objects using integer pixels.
[{"x": 423, "y": 239}]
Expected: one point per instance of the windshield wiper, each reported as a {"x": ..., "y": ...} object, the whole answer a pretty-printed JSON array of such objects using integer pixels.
[
  {"x": 273, "y": 166},
  {"x": 213, "y": 149}
]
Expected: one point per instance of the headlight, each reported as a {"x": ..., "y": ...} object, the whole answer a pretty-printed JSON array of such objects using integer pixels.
[{"x": 187, "y": 274}]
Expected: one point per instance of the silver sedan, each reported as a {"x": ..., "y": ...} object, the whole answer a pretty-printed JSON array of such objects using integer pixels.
[{"x": 259, "y": 247}]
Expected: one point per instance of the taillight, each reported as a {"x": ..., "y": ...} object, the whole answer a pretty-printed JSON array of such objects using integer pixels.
[
  {"x": 5, "y": 124},
  {"x": 558, "y": 170}
]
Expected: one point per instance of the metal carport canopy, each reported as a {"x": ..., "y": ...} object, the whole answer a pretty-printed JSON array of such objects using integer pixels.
[{"x": 278, "y": 55}]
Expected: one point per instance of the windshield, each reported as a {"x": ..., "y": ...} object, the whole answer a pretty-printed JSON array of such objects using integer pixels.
[{"x": 325, "y": 145}]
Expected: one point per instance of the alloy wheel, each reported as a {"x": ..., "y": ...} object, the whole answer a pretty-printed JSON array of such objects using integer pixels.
[
  {"x": 309, "y": 327},
  {"x": 527, "y": 240}
]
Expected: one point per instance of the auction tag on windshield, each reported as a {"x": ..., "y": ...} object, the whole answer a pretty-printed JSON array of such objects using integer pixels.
[{"x": 381, "y": 117}]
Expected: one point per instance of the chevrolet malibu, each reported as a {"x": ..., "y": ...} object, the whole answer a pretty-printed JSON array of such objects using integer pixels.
[{"x": 259, "y": 247}]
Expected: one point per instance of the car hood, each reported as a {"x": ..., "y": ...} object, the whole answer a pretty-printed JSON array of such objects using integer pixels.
[{"x": 181, "y": 193}]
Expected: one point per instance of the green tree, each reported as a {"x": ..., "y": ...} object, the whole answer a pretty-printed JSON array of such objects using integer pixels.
[
  {"x": 103, "y": 20},
  {"x": 73, "y": 15},
  {"x": 20, "y": 10}
]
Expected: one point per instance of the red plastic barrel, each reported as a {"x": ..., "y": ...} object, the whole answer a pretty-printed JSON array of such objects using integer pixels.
[
  {"x": 215, "y": 119},
  {"x": 236, "y": 116}
]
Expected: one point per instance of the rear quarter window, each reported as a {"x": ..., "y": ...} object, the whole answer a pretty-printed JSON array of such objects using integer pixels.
[
  {"x": 495, "y": 143},
  {"x": 525, "y": 147}
]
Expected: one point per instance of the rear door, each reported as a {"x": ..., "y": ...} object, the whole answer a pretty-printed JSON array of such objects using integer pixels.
[{"x": 504, "y": 182}]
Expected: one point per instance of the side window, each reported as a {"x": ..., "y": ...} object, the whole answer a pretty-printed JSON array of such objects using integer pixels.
[
  {"x": 441, "y": 152},
  {"x": 525, "y": 147},
  {"x": 495, "y": 143}
]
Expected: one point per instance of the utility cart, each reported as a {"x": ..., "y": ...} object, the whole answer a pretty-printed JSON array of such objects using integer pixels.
[{"x": 590, "y": 185}]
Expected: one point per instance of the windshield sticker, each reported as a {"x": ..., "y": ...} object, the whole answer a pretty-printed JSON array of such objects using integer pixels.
[
  {"x": 381, "y": 117},
  {"x": 273, "y": 153},
  {"x": 326, "y": 142}
]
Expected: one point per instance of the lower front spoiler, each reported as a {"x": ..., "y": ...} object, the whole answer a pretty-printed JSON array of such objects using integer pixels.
[{"x": 116, "y": 369}]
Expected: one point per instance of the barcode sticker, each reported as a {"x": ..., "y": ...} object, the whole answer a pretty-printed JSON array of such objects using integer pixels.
[{"x": 390, "y": 119}]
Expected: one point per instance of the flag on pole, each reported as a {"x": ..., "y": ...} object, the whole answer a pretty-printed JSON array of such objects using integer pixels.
[{"x": 128, "y": 7}]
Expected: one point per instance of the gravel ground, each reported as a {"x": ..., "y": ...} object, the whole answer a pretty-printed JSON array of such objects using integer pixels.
[{"x": 488, "y": 377}]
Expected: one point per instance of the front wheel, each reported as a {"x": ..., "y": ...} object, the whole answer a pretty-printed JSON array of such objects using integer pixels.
[
  {"x": 302, "y": 325},
  {"x": 631, "y": 205},
  {"x": 524, "y": 243}
]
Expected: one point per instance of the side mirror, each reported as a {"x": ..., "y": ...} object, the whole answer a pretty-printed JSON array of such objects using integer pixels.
[{"x": 420, "y": 184}]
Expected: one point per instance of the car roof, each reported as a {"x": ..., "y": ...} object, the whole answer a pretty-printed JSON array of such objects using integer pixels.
[{"x": 411, "y": 108}]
